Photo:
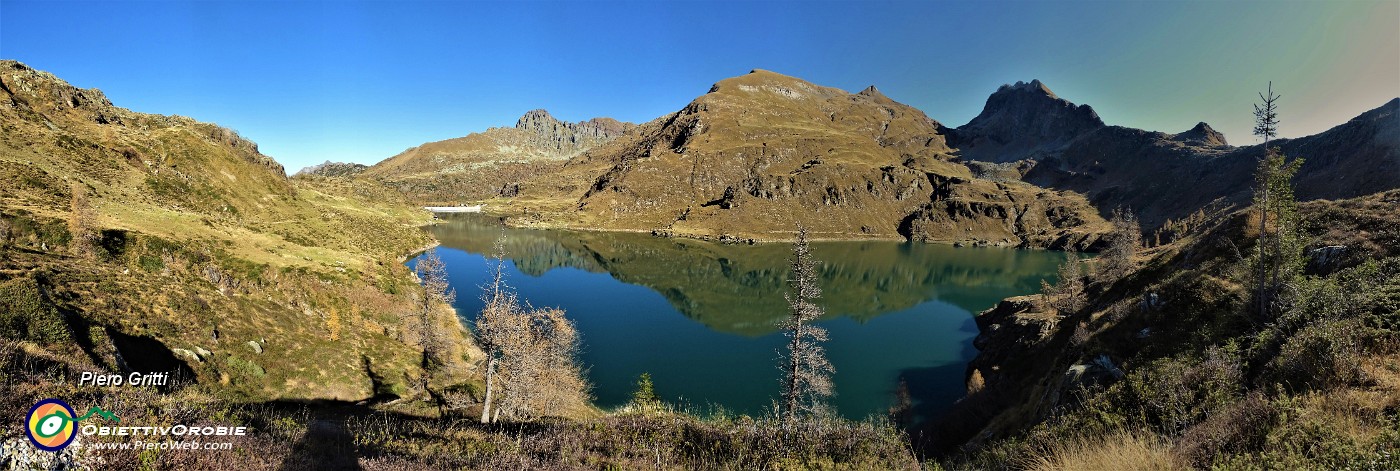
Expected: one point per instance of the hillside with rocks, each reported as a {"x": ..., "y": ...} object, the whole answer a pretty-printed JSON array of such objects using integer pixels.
[{"x": 493, "y": 162}]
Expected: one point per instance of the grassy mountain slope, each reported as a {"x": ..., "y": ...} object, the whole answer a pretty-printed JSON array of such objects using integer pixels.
[{"x": 202, "y": 255}]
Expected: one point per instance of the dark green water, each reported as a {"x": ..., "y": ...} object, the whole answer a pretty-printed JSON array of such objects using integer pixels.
[{"x": 701, "y": 317}]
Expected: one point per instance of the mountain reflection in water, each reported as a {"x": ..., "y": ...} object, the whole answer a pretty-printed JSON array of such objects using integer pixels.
[
  {"x": 702, "y": 317},
  {"x": 739, "y": 288}
]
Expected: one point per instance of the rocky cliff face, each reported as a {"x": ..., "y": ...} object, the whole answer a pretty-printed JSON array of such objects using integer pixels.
[
  {"x": 762, "y": 152},
  {"x": 1023, "y": 121},
  {"x": 569, "y": 138}
]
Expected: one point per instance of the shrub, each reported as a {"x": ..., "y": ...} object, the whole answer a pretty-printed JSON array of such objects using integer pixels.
[
  {"x": 1322, "y": 356},
  {"x": 25, "y": 313},
  {"x": 1179, "y": 392},
  {"x": 1239, "y": 428}
]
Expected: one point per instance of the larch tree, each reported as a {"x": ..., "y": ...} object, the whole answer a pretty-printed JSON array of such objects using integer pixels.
[
  {"x": 1116, "y": 261},
  {"x": 81, "y": 218},
  {"x": 531, "y": 355},
  {"x": 436, "y": 290},
  {"x": 493, "y": 326},
  {"x": 1067, "y": 294},
  {"x": 806, "y": 370}
]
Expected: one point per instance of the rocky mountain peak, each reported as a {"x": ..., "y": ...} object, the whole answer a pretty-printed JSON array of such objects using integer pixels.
[
  {"x": 1024, "y": 120},
  {"x": 871, "y": 91},
  {"x": 536, "y": 119},
  {"x": 541, "y": 123},
  {"x": 1034, "y": 86},
  {"x": 1202, "y": 134}
]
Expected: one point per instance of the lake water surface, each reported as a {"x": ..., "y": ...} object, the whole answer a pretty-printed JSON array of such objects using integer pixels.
[{"x": 702, "y": 317}]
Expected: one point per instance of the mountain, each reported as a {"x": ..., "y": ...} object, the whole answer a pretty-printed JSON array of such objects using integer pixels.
[
  {"x": 1202, "y": 135},
  {"x": 1022, "y": 121},
  {"x": 762, "y": 152},
  {"x": 142, "y": 242},
  {"x": 493, "y": 162},
  {"x": 1166, "y": 177}
]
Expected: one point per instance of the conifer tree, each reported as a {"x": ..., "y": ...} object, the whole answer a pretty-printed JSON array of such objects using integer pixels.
[{"x": 1278, "y": 251}]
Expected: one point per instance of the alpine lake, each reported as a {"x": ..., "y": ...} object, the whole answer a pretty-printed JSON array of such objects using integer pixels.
[{"x": 702, "y": 317}]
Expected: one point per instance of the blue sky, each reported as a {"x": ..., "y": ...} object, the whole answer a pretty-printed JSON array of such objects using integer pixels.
[{"x": 362, "y": 81}]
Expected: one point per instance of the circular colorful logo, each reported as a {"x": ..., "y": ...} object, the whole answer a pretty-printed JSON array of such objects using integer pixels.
[{"x": 50, "y": 425}]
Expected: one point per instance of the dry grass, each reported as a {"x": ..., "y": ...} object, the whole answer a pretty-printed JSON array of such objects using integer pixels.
[{"x": 1122, "y": 451}]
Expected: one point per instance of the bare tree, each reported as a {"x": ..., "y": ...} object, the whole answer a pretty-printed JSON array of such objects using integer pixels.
[
  {"x": 493, "y": 329},
  {"x": 436, "y": 290},
  {"x": 80, "y": 221},
  {"x": 807, "y": 372},
  {"x": 1116, "y": 261}
]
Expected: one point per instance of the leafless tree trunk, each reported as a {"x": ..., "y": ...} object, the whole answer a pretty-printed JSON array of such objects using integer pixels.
[
  {"x": 491, "y": 324},
  {"x": 807, "y": 372}
]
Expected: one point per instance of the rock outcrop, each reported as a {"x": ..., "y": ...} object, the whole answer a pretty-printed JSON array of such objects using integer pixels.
[
  {"x": 332, "y": 169},
  {"x": 41, "y": 96}
]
